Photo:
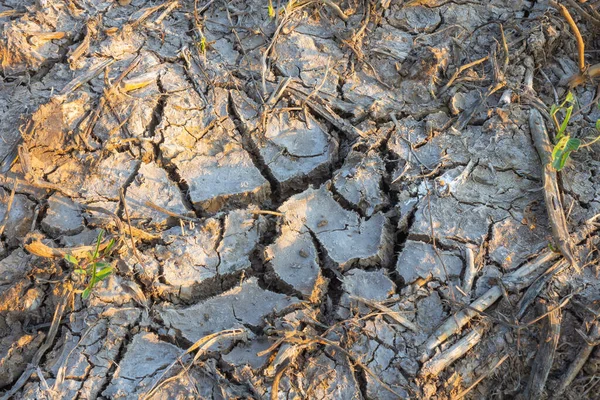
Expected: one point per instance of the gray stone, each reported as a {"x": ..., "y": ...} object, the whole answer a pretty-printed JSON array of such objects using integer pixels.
[
  {"x": 419, "y": 260},
  {"x": 152, "y": 184},
  {"x": 246, "y": 304},
  {"x": 146, "y": 357},
  {"x": 63, "y": 217},
  {"x": 347, "y": 238},
  {"x": 359, "y": 181}
]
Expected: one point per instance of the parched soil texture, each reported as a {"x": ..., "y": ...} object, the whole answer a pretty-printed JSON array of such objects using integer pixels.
[{"x": 309, "y": 200}]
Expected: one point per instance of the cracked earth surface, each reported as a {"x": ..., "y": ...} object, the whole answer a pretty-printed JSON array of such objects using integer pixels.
[{"x": 300, "y": 197}]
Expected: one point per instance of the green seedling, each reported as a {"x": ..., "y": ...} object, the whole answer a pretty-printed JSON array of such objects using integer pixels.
[
  {"x": 95, "y": 267},
  {"x": 271, "y": 10},
  {"x": 564, "y": 144}
]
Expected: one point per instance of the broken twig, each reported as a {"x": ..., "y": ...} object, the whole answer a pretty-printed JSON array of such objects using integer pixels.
[
  {"x": 556, "y": 214},
  {"x": 545, "y": 354}
]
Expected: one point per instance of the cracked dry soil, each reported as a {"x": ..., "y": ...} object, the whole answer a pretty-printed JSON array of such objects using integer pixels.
[{"x": 309, "y": 203}]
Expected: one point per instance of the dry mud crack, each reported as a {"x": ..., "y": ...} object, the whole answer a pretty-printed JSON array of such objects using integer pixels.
[{"x": 318, "y": 205}]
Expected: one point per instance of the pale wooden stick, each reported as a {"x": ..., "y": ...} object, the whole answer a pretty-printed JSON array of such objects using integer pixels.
[
  {"x": 438, "y": 363},
  {"x": 545, "y": 354},
  {"x": 580, "y": 360},
  {"x": 470, "y": 271},
  {"x": 552, "y": 196}
]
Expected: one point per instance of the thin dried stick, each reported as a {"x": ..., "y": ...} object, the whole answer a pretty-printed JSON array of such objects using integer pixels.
[
  {"x": 169, "y": 213},
  {"x": 580, "y": 43},
  {"x": 202, "y": 345},
  {"x": 482, "y": 377},
  {"x": 545, "y": 354},
  {"x": 36, "y": 247},
  {"x": 459, "y": 71},
  {"x": 556, "y": 214},
  {"x": 396, "y": 316},
  {"x": 267, "y": 212},
  {"x": 470, "y": 271},
  {"x": 133, "y": 248},
  {"x": 437, "y": 364},
  {"x": 580, "y": 360}
]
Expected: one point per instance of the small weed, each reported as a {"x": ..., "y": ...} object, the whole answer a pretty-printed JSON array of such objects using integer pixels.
[
  {"x": 271, "y": 10},
  {"x": 95, "y": 268},
  {"x": 564, "y": 144}
]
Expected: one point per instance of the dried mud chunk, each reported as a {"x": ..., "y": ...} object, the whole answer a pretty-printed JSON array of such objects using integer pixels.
[
  {"x": 383, "y": 363},
  {"x": 295, "y": 261},
  {"x": 63, "y": 217},
  {"x": 219, "y": 172},
  {"x": 50, "y": 132},
  {"x": 152, "y": 184},
  {"x": 109, "y": 176},
  {"x": 452, "y": 219},
  {"x": 294, "y": 150},
  {"x": 20, "y": 217},
  {"x": 324, "y": 376},
  {"x": 389, "y": 46},
  {"x": 146, "y": 357},
  {"x": 123, "y": 44},
  {"x": 513, "y": 242},
  {"x": 14, "y": 267},
  {"x": 15, "y": 354},
  {"x": 195, "y": 384},
  {"x": 130, "y": 114},
  {"x": 247, "y": 304},
  {"x": 190, "y": 259},
  {"x": 364, "y": 90},
  {"x": 359, "y": 180},
  {"x": 186, "y": 116},
  {"x": 430, "y": 312},
  {"x": 347, "y": 238},
  {"x": 240, "y": 237},
  {"x": 247, "y": 353},
  {"x": 419, "y": 260},
  {"x": 369, "y": 285},
  {"x": 417, "y": 19},
  {"x": 307, "y": 57},
  {"x": 65, "y": 354},
  {"x": 25, "y": 45}
]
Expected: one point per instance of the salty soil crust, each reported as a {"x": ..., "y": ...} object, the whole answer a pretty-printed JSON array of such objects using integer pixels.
[{"x": 318, "y": 205}]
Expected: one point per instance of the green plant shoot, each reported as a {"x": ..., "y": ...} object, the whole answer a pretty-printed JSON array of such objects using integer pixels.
[
  {"x": 271, "y": 10},
  {"x": 564, "y": 145},
  {"x": 95, "y": 267}
]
